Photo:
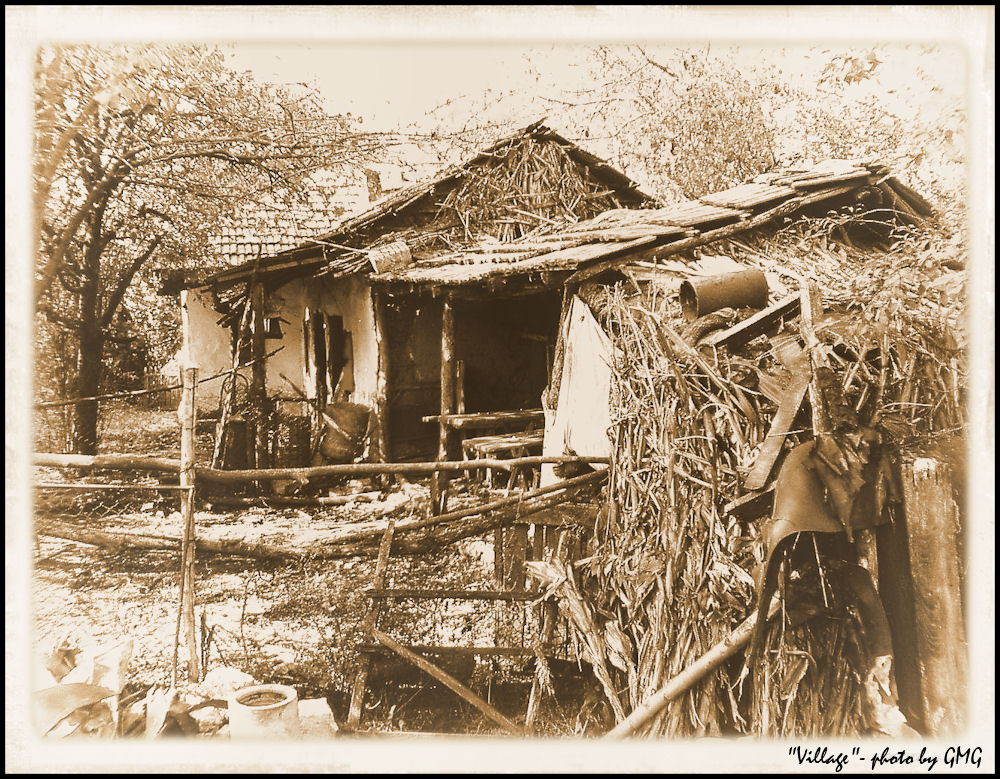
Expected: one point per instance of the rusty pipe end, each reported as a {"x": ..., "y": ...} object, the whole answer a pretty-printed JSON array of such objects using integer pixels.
[
  {"x": 689, "y": 301},
  {"x": 740, "y": 289}
]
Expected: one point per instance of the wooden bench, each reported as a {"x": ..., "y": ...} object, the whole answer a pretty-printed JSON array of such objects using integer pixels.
[{"x": 504, "y": 445}]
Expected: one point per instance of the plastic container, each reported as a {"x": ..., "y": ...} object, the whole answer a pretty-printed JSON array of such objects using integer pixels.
[{"x": 264, "y": 711}]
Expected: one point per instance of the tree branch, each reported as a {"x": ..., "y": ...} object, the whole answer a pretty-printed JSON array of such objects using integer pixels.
[
  {"x": 116, "y": 297},
  {"x": 105, "y": 187},
  {"x": 60, "y": 319}
]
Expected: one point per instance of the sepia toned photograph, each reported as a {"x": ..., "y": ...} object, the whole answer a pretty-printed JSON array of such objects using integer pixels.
[{"x": 500, "y": 389}]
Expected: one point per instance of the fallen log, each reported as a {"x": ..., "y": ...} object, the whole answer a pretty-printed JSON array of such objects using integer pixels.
[
  {"x": 128, "y": 462},
  {"x": 524, "y": 503},
  {"x": 421, "y": 536},
  {"x": 123, "y": 540},
  {"x": 691, "y": 675},
  {"x": 333, "y": 500},
  {"x": 163, "y": 464}
]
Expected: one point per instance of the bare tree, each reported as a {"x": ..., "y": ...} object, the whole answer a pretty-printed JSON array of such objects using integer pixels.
[{"x": 138, "y": 152}]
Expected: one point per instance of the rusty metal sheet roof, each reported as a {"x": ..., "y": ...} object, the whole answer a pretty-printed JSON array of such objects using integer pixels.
[
  {"x": 696, "y": 213},
  {"x": 456, "y": 274}
]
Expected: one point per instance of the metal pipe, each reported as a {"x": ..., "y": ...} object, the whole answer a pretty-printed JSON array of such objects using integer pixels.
[{"x": 742, "y": 289}]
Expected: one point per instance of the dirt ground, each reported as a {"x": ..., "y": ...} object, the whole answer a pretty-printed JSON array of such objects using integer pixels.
[{"x": 296, "y": 624}]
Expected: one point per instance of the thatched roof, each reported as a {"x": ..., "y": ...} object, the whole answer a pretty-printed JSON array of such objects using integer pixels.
[
  {"x": 621, "y": 232},
  {"x": 546, "y": 178}
]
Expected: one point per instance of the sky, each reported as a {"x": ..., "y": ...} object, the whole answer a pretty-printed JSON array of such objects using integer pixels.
[
  {"x": 420, "y": 85},
  {"x": 393, "y": 85}
]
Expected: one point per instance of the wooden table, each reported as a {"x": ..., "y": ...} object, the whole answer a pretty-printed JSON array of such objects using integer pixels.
[{"x": 490, "y": 419}]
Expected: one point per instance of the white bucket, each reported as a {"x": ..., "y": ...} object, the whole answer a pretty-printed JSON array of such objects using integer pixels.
[{"x": 264, "y": 711}]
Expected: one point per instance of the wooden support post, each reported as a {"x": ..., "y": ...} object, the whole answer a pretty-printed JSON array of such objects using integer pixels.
[
  {"x": 555, "y": 370},
  {"x": 369, "y": 626},
  {"x": 515, "y": 554},
  {"x": 381, "y": 423},
  {"x": 449, "y": 681},
  {"x": 227, "y": 405},
  {"x": 498, "y": 557},
  {"x": 440, "y": 487},
  {"x": 932, "y": 532},
  {"x": 459, "y": 386},
  {"x": 259, "y": 376},
  {"x": 187, "y": 413}
]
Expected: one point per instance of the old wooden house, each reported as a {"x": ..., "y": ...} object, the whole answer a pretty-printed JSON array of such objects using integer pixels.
[
  {"x": 358, "y": 317},
  {"x": 534, "y": 300}
]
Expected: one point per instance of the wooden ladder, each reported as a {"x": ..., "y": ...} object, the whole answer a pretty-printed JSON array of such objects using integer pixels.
[{"x": 376, "y": 641}]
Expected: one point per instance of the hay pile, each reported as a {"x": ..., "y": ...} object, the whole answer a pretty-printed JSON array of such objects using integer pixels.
[
  {"x": 528, "y": 185},
  {"x": 671, "y": 574}
]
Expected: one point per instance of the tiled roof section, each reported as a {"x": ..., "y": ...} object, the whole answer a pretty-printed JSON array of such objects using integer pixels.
[
  {"x": 624, "y": 230},
  {"x": 270, "y": 229}
]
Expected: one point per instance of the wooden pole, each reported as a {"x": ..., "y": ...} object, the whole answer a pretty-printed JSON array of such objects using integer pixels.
[
  {"x": 187, "y": 413},
  {"x": 449, "y": 681},
  {"x": 381, "y": 431},
  {"x": 280, "y": 502},
  {"x": 439, "y": 496},
  {"x": 368, "y": 628},
  {"x": 259, "y": 377},
  {"x": 167, "y": 465},
  {"x": 932, "y": 532},
  {"x": 691, "y": 675}
]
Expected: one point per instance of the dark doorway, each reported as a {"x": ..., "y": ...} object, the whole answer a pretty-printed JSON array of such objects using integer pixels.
[
  {"x": 413, "y": 342},
  {"x": 504, "y": 345}
]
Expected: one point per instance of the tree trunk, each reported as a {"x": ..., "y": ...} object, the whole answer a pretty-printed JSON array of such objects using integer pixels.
[{"x": 89, "y": 358}]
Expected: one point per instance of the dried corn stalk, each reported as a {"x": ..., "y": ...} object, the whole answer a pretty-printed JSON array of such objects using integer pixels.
[{"x": 671, "y": 574}]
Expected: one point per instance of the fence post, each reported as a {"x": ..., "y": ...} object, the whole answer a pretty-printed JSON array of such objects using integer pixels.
[
  {"x": 932, "y": 528},
  {"x": 187, "y": 413}
]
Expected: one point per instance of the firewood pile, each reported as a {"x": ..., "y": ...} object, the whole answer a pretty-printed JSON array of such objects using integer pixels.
[{"x": 861, "y": 366}]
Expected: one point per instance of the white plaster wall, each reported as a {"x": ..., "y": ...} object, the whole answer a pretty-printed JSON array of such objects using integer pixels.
[
  {"x": 206, "y": 346},
  {"x": 350, "y": 299},
  {"x": 209, "y": 346}
]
